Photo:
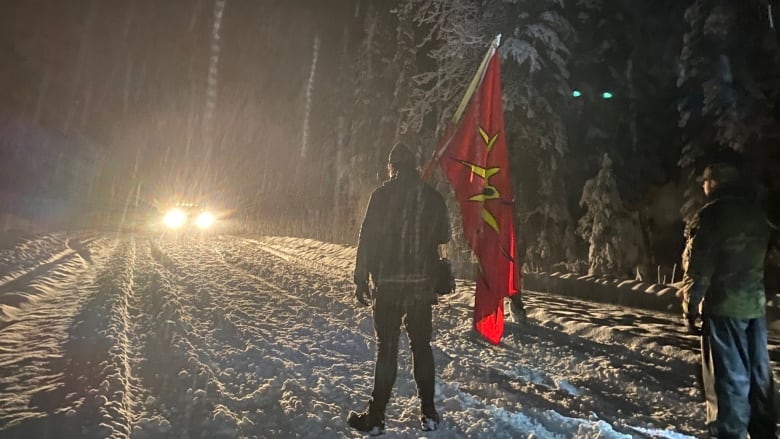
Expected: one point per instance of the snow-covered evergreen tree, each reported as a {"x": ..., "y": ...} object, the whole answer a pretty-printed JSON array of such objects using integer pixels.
[{"x": 614, "y": 236}]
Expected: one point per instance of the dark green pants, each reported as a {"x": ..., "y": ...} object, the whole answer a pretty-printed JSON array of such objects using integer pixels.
[
  {"x": 737, "y": 378},
  {"x": 395, "y": 305}
]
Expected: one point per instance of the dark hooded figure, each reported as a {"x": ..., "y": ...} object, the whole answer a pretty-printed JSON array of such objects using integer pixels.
[
  {"x": 405, "y": 222},
  {"x": 724, "y": 285}
]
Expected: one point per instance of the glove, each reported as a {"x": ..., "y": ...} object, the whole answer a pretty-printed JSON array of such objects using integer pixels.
[
  {"x": 690, "y": 324},
  {"x": 692, "y": 299},
  {"x": 693, "y": 294},
  {"x": 363, "y": 294}
]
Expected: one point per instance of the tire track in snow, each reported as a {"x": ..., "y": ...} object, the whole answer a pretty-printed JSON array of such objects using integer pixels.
[
  {"x": 178, "y": 384},
  {"x": 31, "y": 258},
  {"x": 28, "y": 253},
  {"x": 27, "y": 262},
  {"x": 239, "y": 378},
  {"x": 100, "y": 383},
  {"x": 34, "y": 351},
  {"x": 276, "y": 312}
]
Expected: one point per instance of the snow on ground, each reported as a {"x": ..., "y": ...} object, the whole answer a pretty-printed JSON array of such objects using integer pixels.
[{"x": 230, "y": 337}]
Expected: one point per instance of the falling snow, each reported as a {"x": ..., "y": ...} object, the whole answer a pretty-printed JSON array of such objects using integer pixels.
[{"x": 279, "y": 117}]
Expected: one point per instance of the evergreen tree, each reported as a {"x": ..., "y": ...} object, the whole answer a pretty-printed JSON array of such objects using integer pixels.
[
  {"x": 729, "y": 62},
  {"x": 613, "y": 234}
]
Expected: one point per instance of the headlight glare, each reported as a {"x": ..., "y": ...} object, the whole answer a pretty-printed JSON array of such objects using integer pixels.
[
  {"x": 204, "y": 220},
  {"x": 175, "y": 218}
]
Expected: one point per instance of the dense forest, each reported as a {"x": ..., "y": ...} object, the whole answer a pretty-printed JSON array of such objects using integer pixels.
[{"x": 612, "y": 108}]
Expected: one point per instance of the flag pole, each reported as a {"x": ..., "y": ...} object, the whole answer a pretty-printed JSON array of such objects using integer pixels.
[{"x": 475, "y": 81}]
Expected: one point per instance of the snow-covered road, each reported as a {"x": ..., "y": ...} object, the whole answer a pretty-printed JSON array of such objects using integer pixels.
[{"x": 230, "y": 337}]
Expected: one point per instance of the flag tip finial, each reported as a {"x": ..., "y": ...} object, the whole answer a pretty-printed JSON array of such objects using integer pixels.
[{"x": 498, "y": 40}]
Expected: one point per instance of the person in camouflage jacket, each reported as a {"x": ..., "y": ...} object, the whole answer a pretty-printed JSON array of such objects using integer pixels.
[{"x": 724, "y": 286}]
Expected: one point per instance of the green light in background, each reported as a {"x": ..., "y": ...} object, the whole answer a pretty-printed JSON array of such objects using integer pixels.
[
  {"x": 606, "y": 95},
  {"x": 576, "y": 93}
]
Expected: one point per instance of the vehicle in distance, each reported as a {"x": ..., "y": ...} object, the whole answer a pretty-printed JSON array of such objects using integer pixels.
[{"x": 183, "y": 216}]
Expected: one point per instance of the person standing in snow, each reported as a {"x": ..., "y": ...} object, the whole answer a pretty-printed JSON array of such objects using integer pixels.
[
  {"x": 404, "y": 224},
  {"x": 724, "y": 285}
]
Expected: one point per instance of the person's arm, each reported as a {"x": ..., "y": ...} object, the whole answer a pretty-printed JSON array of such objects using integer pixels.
[
  {"x": 366, "y": 243},
  {"x": 701, "y": 251}
]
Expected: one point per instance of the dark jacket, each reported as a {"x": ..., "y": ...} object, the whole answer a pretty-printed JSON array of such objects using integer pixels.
[
  {"x": 724, "y": 259},
  {"x": 405, "y": 221}
]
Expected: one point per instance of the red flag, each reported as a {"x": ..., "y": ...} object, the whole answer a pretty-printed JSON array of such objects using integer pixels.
[{"x": 476, "y": 164}]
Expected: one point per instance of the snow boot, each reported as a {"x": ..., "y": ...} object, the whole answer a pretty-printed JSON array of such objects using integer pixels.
[
  {"x": 517, "y": 309},
  {"x": 429, "y": 420},
  {"x": 367, "y": 423}
]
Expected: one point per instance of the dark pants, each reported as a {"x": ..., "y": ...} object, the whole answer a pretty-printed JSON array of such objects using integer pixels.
[
  {"x": 737, "y": 378},
  {"x": 394, "y": 305}
]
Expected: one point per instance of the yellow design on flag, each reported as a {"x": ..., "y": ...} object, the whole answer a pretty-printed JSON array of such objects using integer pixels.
[
  {"x": 489, "y": 141},
  {"x": 489, "y": 192}
]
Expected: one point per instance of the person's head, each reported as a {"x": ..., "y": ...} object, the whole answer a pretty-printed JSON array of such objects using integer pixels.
[
  {"x": 401, "y": 159},
  {"x": 717, "y": 174}
]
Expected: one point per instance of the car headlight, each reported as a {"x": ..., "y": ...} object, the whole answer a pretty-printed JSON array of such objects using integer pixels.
[
  {"x": 175, "y": 218},
  {"x": 204, "y": 220}
]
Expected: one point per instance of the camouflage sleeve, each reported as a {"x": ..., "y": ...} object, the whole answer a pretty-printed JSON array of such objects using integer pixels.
[
  {"x": 366, "y": 242},
  {"x": 699, "y": 262}
]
